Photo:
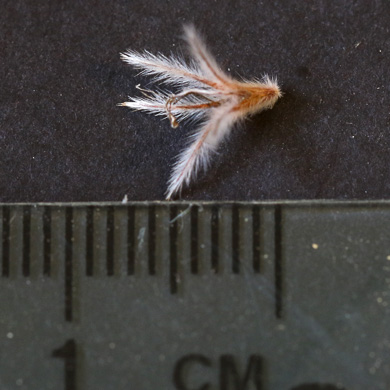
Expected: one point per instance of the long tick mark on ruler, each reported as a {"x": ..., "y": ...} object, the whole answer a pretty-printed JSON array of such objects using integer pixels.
[{"x": 205, "y": 93}]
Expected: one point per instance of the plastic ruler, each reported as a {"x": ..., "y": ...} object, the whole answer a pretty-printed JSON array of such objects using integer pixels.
[{"x": 195, "y": 296}]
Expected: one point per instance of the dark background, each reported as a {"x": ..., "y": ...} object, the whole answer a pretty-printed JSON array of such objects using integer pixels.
[{"x": 62, "y": 137}]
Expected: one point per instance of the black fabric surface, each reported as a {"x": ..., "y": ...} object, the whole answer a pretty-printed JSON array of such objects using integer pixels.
[{"x": 63, "y": 138}]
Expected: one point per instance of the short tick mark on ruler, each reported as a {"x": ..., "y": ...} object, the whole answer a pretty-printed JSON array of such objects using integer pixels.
[
  {"x": 110, "y": 241},
  {"x": 89, "y": 241},
  {"x": 235, "y": 239},
  {"x": 256, "y": 239},
  {"x": 194, "y": 240},
  {"x": 46, "y": 219},
  {"x": 6, "y": 240},
  {"x": 173, "y": 275},
  {"x": 152, "y": 240},
  {"x": 69, "y": 264},
  {"x": 215, "y": 238},
  {"x": 130, "y": 240},
  {"x": 278, "y": 261},
  {"x": 26, "y": 240}
]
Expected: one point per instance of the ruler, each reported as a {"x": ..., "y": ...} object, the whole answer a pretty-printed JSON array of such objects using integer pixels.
[{"x": 195, "y": 296}]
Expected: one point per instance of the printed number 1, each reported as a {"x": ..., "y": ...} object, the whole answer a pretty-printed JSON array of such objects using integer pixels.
[{"x": 68, "y": 353}]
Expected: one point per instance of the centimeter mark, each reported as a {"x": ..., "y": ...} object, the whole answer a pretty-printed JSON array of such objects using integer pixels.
[{"x": 131, "y": 245}]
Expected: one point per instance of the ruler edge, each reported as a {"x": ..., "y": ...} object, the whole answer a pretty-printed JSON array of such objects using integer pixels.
[{"x": 264, "y": 203}]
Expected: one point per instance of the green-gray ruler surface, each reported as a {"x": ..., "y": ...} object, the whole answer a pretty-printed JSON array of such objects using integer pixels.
[{"x": 195, "y": 296}]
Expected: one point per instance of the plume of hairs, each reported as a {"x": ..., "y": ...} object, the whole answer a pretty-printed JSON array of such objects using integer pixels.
[{"x": 205, "y": 92}]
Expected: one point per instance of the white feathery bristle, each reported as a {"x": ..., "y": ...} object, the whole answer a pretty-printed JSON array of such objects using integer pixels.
[
  {"x": 205, "y": 141},
  {"x": 204, "y": 58},
  {"x": 171, "y": 70},
  {"x": 156, "y": 104}
]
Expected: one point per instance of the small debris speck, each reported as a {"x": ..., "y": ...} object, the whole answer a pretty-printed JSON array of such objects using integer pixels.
[
  {"x": 10, "y": 335},
  {"x": 314, "y": 246}
]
